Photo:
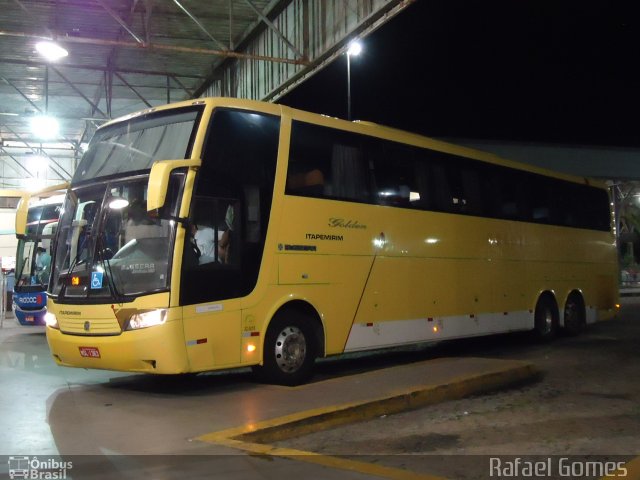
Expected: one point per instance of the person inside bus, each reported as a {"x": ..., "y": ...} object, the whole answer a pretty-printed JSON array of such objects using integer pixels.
[
  {"x": 88, "y": 215},
  {"x": 43, "y": 264},
  {"x": 225, "y": 236},
  {"x": 191, "y": 251},
  {"x": 139, "y": 225},
  {"x": 204, "y": 237}
]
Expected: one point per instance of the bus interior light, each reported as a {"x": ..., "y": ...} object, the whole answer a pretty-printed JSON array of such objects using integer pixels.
[{"x": 117, "y": 203}]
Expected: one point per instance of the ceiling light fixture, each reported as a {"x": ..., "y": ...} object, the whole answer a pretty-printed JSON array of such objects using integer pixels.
[
  {"x": 44, "y": 127},
  {"x": 51, "y": 51}
]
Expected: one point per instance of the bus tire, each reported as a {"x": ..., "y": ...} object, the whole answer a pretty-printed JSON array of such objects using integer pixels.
[
  {"x": 546, "y": 318},
  {"x": 289, "y": 349},
  {"x": 574, "y": 315}
]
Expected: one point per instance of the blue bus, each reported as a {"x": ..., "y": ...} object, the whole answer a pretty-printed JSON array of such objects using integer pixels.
[{"x": 33, "y": 258}]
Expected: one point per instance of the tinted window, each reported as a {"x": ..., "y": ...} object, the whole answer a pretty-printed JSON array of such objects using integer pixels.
[
  {"x": 329, "y": 163},
  {"x": 230, "y": 207}
]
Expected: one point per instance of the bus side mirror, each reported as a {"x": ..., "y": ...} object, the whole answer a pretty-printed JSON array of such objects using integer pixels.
[
  {"x": 23, "y": 205},
  {"x": 159, "y": 180},
  {"x": 21, "y": 215}
]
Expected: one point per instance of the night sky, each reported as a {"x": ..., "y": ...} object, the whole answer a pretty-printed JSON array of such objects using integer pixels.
[{"x": 563, "y": 72}]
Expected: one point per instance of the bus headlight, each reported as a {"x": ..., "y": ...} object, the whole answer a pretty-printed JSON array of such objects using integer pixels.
[
  {"x": 147, "y": 319},
  {"x": 50, "y": 320}
]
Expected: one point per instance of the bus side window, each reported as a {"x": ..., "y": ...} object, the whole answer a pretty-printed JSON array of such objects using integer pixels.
[
  {"x": 400, "y": 180},
  {"x": 328, "y": 163},
  {"x": 471, "y": 190},
  {"x": 444, "y": 198},
  {"x": 349, "y": 173},
  {"x": 308, "y": 183}
]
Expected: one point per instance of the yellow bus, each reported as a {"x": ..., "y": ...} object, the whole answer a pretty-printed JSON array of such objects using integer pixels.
[{"x": 222, "y": 233}]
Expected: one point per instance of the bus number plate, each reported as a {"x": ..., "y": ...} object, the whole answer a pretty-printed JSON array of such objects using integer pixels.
[
  {"x": 29, "y": 318},
  {"x": 89, "y": 352}
]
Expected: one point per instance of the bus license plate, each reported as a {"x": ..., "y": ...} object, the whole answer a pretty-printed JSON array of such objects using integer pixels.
[
  {"x": 29, "y": 318},
  {"x": 89, "y": 352}
]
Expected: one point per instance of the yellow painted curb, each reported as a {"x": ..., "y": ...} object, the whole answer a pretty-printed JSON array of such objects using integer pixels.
[{"x": 256, "y": 438}]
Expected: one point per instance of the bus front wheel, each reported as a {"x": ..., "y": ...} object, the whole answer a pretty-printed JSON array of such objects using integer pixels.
[{"x": 289, "y": 350}]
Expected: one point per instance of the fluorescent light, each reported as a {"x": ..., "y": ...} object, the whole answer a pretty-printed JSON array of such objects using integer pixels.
[
  {"x": 51, "y": 51},
  {"x": 44, "y": 127}
]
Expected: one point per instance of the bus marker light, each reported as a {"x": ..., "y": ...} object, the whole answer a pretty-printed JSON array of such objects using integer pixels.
[
  {"x": 251, "y": 348},
  {"x": 435, "y": 329}
]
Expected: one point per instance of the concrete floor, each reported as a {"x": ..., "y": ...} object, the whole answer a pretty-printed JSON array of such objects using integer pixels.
[{"x": 131, "y": 425}]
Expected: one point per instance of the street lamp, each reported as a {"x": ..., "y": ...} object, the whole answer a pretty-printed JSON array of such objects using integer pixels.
[{"x": 354, "y": 49}]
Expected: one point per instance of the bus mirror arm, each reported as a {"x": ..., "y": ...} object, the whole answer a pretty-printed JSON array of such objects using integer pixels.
[
  {"x": 184, "y": 221},
  {"x": 159, "y": 180}
]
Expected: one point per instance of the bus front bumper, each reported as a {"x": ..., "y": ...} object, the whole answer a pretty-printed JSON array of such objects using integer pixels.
[
  {"x": 160, "y": 349},
  {"x": 29, "y": 317}
]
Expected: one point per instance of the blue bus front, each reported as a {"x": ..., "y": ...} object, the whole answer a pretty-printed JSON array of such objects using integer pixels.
[{"x": 33, "y": 264}]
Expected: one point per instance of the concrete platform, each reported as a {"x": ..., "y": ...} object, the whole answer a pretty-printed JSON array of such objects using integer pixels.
[{"x": 111, "y": 417}]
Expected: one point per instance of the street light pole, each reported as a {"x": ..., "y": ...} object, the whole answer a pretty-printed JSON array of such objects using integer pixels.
[{"x": 354, "y": 49}]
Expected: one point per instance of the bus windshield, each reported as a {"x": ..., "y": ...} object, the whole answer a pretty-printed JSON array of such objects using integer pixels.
[
  {"x": 134, "y": 145},
  {"x": 33, "y": 262},
  {"x": 109, "y": 246}
]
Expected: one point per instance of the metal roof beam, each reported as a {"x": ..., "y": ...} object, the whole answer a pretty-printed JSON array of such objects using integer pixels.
[
  {"x": 32, "y": 63},
  {"x": 2, "y": 149},
  {"x": 163, "y": 47},
  {"x": 181, "y": 85},
  {"x": 133, "y": 89},
  {"x": 275, "y": 29},
  {"x": 8, "y": 82},
  {"x": 30, "y": 14},
  {"x": 41, "y": 151},
  {"x": 77, "y": 90},
  {"x": 200, "y": 25},
  {"x": 120, "y": 21}
]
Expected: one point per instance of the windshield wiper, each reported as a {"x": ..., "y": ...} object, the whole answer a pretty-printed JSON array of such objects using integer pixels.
[
  {"x": 76, "y": 261},
  {"x": 113, "y": 289},
  {"x": 25, "y": 260}
]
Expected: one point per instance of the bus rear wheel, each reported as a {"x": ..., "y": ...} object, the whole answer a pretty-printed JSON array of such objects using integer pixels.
[
  {"x": 574, "y": 315},
  {"x": 546, "y": 318},
  {"x": 289, "y": 350}
]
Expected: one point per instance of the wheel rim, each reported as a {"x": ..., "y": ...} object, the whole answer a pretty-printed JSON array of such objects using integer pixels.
[
  {"x": 547, "y": 324},
  {"x": 291, "y": 349},
  {"x": 571, "y": 314}
]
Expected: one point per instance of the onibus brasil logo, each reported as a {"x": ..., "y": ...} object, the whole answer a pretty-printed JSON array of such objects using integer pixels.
[{"x": 34, "y": 468}]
